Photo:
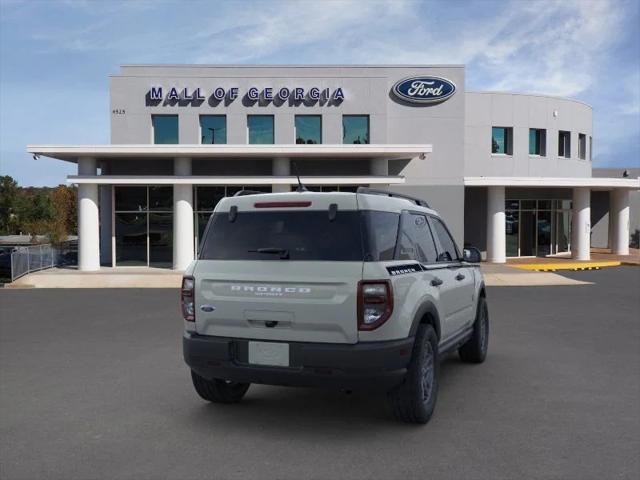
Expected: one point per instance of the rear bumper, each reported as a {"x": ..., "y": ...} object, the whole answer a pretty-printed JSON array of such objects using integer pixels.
[{"x": 369, "y": 365}]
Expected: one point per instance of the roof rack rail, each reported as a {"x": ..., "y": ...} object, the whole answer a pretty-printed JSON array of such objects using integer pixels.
[
  {"x": 242, "y": 193},
  {"x": 373, "y": 191}
]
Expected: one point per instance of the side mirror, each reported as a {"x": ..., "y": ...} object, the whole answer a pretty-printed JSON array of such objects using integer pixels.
[{"x": 471, "y": 255}]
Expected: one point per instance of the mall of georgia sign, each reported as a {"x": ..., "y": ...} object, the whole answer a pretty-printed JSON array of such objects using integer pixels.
[{"x": 424, "y": 90}]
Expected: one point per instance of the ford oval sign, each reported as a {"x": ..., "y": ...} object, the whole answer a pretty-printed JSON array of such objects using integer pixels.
[{"x": 424, "y": 89}]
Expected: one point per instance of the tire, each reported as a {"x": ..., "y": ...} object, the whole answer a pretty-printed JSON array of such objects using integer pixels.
[
  {"x": 219, "y": 391},
  {"x": 415, "y": 399},
  {"x": 475, "y": 349}
]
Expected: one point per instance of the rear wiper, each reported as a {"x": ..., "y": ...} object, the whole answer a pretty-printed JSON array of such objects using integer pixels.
[{"x": 283, "y": 252}]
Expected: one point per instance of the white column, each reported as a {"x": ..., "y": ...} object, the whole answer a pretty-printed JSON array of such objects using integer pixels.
[
  {"x": 379, "y": 167},
  {"x": 619, "y": 221},
  {"x": 496, "y": 230},
  {"x": 88, "y": 219},
  {"x": 581, "y": 224},
  {"x": 281, "y": 168},
  {"x": 182, "y": 217}
]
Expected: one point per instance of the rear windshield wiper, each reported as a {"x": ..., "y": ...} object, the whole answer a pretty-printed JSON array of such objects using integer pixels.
[{"x": 283, "y": 252}]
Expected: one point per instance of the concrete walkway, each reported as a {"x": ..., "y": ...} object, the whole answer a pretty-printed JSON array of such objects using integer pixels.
[
  {"x": 138, "y": 277},
  {"x": 501, "y": 275},
  {"x": 122, "y": 277}
]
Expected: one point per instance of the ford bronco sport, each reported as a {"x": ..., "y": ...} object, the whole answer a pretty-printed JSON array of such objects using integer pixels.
[{"x": 347, "y": 290}]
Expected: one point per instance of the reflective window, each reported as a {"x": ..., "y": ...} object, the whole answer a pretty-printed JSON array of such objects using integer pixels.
[
  {"x": 502, "y": 140},
  {"x": 161, "y": 198},
  {"x": 512, "y": 220},
  {"x": 381, "y": 230},
  {"x": 416, "y": 241},
  {"x": 161, "y": 240},
  {"x": 590, "y": 148},
  {"x": 297, "y": 235},
  {"x": 449, "y": 251},
  {"x": 165, "y": 129},
  {"x": 355, "y": 129},
  {"x": 213, "y": 129},
  {"x": 131, "y": 239},
  {"x": 537, "y": 142},
  {"x": 144, "y": 225},
  {"x": 131, "y": 199},
  {"x": 564, "y": 144},
  {"x": 260, "y": 129},
  {"x": 582, "y": 146},
  {"x": 308, "y": 129}
]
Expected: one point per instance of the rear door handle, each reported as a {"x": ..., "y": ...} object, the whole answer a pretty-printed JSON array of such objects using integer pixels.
[
  {"x": 436, "y": 282},
  {"x": 459, "y": 277}
]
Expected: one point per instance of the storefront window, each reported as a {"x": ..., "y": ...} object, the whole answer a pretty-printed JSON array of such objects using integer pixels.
[
  {"x": 144, "y": 226},
  {"x": 165, "y": 129},
  {"x": 501, "y": 140},
  {"x": 260, "y": 129},
  {"x": 308, "y": 129},
  {"x": 213, "y": 129},
  {"x": 537, "y": 141},
  {"x": 355, "y": 129},
  {"x": 537, "y": 227}
]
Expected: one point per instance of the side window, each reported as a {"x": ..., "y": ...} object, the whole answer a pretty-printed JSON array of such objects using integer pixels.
[
  {"x": 416, "y": 241},
  {"x": 449, "y": 252}
]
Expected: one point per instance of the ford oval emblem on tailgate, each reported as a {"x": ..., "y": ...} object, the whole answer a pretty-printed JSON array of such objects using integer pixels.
[{"x": 207, "y": 308}]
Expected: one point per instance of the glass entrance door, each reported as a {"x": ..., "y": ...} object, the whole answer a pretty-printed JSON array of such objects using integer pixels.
[
  {"x": 528, "y": 233},
  {"x": 543, "y": 234},
  {"x": 143, "y": 221}
]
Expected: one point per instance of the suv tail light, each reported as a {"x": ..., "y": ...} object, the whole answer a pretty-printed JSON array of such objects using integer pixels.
[
  {"x": 187, "y": 299},
  {"x": 375, "y": 303}
]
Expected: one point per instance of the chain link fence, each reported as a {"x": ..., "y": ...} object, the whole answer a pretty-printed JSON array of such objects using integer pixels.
[{"x": 33, "y": 258}]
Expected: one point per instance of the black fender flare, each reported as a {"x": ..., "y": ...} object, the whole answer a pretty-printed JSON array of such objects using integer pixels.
[{"x": 427, "y": 308}]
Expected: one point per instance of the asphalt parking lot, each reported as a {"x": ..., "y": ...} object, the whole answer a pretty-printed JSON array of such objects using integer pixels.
[{"x": 93, "y": 386}]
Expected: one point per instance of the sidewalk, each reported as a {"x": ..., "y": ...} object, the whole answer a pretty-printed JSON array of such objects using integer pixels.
[
  {"x": 142, "y": 277},
  {"x": 600, "y": 258},
  {"x": 106, "y": 277}
]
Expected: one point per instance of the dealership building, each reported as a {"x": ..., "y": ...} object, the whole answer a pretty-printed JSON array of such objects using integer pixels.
[{"x": 510, "y": 173}]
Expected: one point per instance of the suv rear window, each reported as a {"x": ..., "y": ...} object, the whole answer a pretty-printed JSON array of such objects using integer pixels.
[
  {"x": 295, "y": 235},
  {"x": 277, "y": 235}
]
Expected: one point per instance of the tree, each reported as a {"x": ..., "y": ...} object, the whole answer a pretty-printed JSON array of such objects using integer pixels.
[
  {"x": 63, "y": 200},
  {"x": 9, "y": 191}
]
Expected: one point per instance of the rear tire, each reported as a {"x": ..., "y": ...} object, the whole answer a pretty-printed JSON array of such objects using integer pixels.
[
  {"x": 475, "y": 349},
  {"x": 414, "y": 401},
  {"x": 219, "y": 391}
]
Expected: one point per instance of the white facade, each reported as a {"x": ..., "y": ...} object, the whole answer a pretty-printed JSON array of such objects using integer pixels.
[{"x": 510, "y": 173}]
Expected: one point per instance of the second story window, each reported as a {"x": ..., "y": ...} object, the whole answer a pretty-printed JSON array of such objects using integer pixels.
[
  {"x": 308, "y": 129},
  {"x": 355, "y": 129},
  {"x": 213, "y": 129},
  {"x": 165, "y": 129},
  {"x": 502, "y": 140},
  {"x": 260, "y": 129},
  {"x": 582, "y": 146},
  {"x": 564, "y": 144},
  {"x": 538, "y": 141},
  {"x": 590, "y": 148}
]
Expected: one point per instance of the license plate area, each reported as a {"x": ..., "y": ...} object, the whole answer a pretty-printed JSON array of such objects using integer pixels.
[{"x": 269, "y": 353}]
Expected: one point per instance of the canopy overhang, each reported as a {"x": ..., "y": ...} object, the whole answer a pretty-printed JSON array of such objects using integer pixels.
[
  {"x": 232, "y": 180},
  {"x": 595, "y": 183},
  {"x": 71, "y": 153}
]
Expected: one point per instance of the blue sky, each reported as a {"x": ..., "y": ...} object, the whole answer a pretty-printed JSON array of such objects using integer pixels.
[{"x": 55, "y": 56}]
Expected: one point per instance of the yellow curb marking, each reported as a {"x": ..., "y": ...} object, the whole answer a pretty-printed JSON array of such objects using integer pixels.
[{"x": 552, "y": 267}]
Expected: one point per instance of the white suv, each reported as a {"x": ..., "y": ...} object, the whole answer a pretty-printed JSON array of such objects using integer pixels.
[{"x": 347, "y": 290}]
